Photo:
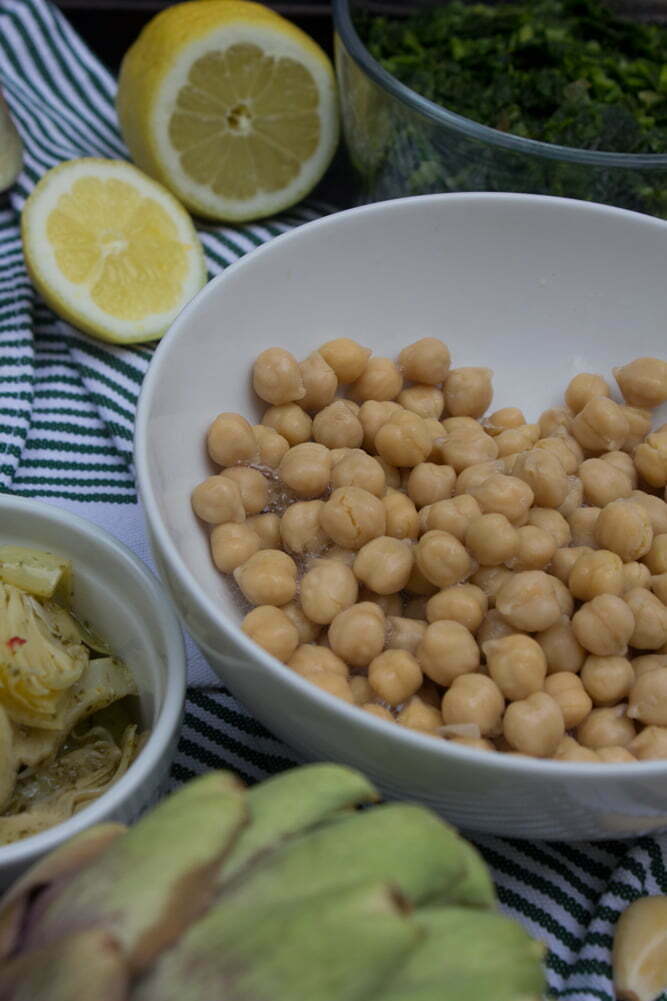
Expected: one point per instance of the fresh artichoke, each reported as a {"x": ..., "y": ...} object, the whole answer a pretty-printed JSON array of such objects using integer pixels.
[{"x": 284, "y": 892}]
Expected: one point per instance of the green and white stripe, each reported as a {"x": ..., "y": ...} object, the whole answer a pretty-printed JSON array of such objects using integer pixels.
[{"x": 66, "y": 418}]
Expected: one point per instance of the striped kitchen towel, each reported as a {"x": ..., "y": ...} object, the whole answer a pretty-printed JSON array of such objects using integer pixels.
[{"x": 66, "y": 418}]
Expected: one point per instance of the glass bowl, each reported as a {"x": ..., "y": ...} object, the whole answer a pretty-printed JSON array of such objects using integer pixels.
[{"x": 401, "y": 143}]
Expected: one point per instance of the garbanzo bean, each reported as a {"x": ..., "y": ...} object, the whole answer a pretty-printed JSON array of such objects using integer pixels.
[
  {"x": 357, "y": 633},
  {"x": 639, "y": 422},
  {"x": 530, "y": 601},
  {"x": 306, "y": 469},
  {"x": 429, "y": 483},
  {"x": 253, "y": 487},
  {"x": 600, "y": 572},
  {"x": 337, "y": 427},
  {"x": 574, "y": 498},
  {"x": 582, "y": 524},
  {"x": 468, "y": 391},
  {"x": 625, "y": 528},
  {"x": 402, "y": 520},
  {"x": 308, "y": 631},
  {"x": 535, "y": 548},
  {"x": 427, "y": 361},
  {"x": 607, "y": 680},
  {"x": 574, "y": 702},
  {"x": 447, "y": 650},
  {"x": 564, "y": 559},
  {"x": 647, "y": 701},
  {"x": 358, "y": 469},
  {"x": 604, "y": 625},
  {"x": 555, "y": 420},
  {"x": 463, "y": 447},
  {"x": 506, "y": 495},
  {"x": 493, "y": 627},
  {"x": 218, "y": 500},
  {"x": 267, "y": 528},
  {"x": 418, "y": 584},
  {"x": 491, "y": 539},
  {"x": 534, "y": 725},
  {"x": 391, "y": 604},
  {"x": 650, "y": 744},
  {"x": 570, "y": 750},
  {"x": 419, "y": 715},
  {"x": 643, "y": 382},
  {"x": 267, "y": 578},
  {"x": 384, "y": 564},
  {"x": 352, "y": 517},
  {"x": 272, "y": 630},
  {"x": 319, "y": 382},
  {"x": 290, "y": 421},
  {"x": 562, "y": 649},
  {"x": 552, "y": 522},
  {"x": 516, "y": 440},
  {"x": 606, "y": 727},
  {"x": 230, "y": 440},
  {"x": 601, "y": 426},
  {"x": 476, "y": 699},
  {"x": 391, "y": 473},
  {"x": 656, "y": 558},
  {"x": 615, "y": 755},
  {"x": 636, "y": 575},
  {"x": 271, "y": 446},
  {"x": 453, "y": 515},
  {"x": 425, "y": 401},
  {"x": 658, "y": 584},
  {"x": 651, "y": 459},
  {"x": 232, "y": 544},
  {"x": 373, "y": 709},
  {"x": 310, "y": 659},
  {"x": 362, "y": 693},
  {"x": 566, "y": 449},
  {"x": 650, "y": 615},
  {"x": 404, "y": 440},
  {"x": 473, "y": 476},
  {"x": 623, "y": 462},
  {"x": 327, "y": 588},
  {"x": 464, "y": 603},
  {"x": 372, "y": 415},
  {"x": 545, "y": 476},
  {"x": 404, "y": 633},
  {"x": 603, "y": 482},
  {"x": 490, "y": 580},
  {"x": 276, "y": 377},
  {"x": 381, "y": 379},
  {"x": 654, "y": 507},
  {"x": 347, "y": 358},
  {"x": 442, "y": 559},
  {"x": 648, "y": 662},
  {"x": 478, "y": 743},
  {"x": 504, "y": 419},
  {"x": 517, "y": 665},
  {"x": 584, "y": 387},
  {"x": 394, "y": 675}
]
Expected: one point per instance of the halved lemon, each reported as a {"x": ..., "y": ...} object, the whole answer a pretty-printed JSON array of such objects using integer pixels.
[
  {"x": 229, "y": 105},
  {"x": 110, "y": 250}
]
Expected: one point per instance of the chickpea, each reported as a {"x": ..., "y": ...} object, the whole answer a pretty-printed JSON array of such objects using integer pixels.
[
  {"x": 437, "y": 435},
  {"x": 391, "y": 604},
  {"x": 473, "y": 476},
  {"x": 464, "y": 603},
  {"x": 648, "y": 698},
  {"x": 648, "y": 662},
  {"x": 505, "y": 419},
  {"x": 267, "y": 528},
  {"x": 651, "y": 459},
  {"x": 639, "y": 422},
  {"x": 380, "y": 380},
  {"x": 493, "y": 627},
  {"x": 575, "y": 497},
  {"x": 650, "y": 744},
  {"x": 331, "y": 683},
  {"x": 452, "y": 425},
  {"x": 474, "y": 698},
  {"x": 478, "y": 743},
  {"x": 573, "y": 700},
  {"x": 570, "y": 750},
  {"x": 643, "y": 382},
  {"x": 353, "y": 407},
  {"x": 272, "y": 630},
  {"x": 327, "y": 588},
  {"x": 300, "y": 529},
  {"x": 650, "y": 615},
  {"x": 623, "y": 462},
  {"x": 564, "y": 559},
  {"x": 271, "y": 446},
  {"x": 419, "y": 715},
  {"x": 601, "y": 426},
  {"x": 346, "y": 556},
  {"x": 529, "y": 601},
  {"x": 232, "y": 544},
  {"x": 582, "y": 524},
  {"x": 552, "y": 522},
  {"x": 615, "y": 755},
  {"x": 372, "y": 415},
  {"x": 517, "y": 665},
  {"x": 308, "y": 631},
  {"x": 253, "y": 487},
  {"x": 447, "y": 650},
  {"x": 276, "y": 377},
  {"x": 506, "y": 495},
  {"x": 319, "y": 382},
  {"x": 290, "y": 421},
  {"x": 603, "y": 482},
  {"x": 384, "y": 564},
  {"x": 535, "y": 548},
  {"x": 392, "y": 474},
  {"x": 427, "y": 361},
  {"x": 218, "y": 500},
  {"x": 534, "y": 725},
  {"x": 347, "y": 358},
  {"x": 516, "y": 440},
  {"x": 468, "y": 391},
  {"x": 636, "y": 575},
  {"x": 358, "y": 469},
  {"x": 490, "y": 580},
  {"x": 404, "y": 440},
  {"x": 491, "y": 539},
  {"x": 462, "y": 448},
  {"x": 418, "y": 584},
  {"x": 582, "y": 388},
  {"x": 566, "y": 449},
  {"x": 404, "y": 633},
  {"x": 604, "y": 625},
  {"x": 654, "y": 507},
  {"x": 352, "y": 517},
  {"x": 375, "y": 710},
  {"x": 337, "y": 427},
  {"x": 357, "y": 634},
  {"x": 625, "y": 528},
  {"x": 658, "y": 585},
  {"x": 402, "y": 520},
  {"x": 428, "y": 483},
  {"x": 306, "y": 469},
  {"x": 425, "y": 401},
  {"x": 606, "y": 727},
  {"x": 394, "y": 676},
  {"x": 453, "y": 515},
  {"x": 656, "y": 558},
  {"x": 267, "y": 578},
  {"x": 600, "y": 572},
  {"x": 555, "y": 421},
  {"x": 442, "y": 559},
  {"x": 561, "y": 647},
  {"x": 362, "y": 693},
  {"x": 607, "y": 680},
  {"x": 230, "y": 439}
]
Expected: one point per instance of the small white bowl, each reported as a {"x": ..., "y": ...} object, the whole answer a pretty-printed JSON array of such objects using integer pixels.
[
  {"x": 114, "y": 591},
  {"x": 538, "y": 289}
]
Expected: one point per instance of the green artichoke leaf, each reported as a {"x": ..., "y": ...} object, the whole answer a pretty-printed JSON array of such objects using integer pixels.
[
  {"x": 340, "y": 945},
  {"x": 475, "y": 889},
  {"x": 152, "y": 883},
  {"x": 292, "y": 802}
]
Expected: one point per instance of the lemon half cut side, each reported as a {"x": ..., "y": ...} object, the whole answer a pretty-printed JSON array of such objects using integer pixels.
[
  {"x": 229, "y": 105},
  {"x": 110, "y": 250}
]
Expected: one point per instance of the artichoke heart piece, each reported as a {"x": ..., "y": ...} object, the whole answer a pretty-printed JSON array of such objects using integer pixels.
[
  {"x": 71, "y": 629},
  {"x": 8, "y": 760},
  {"x": 35, "y": 667},
  {"x": 40, "y": 573},
  {"x": 340, "y": 946}
]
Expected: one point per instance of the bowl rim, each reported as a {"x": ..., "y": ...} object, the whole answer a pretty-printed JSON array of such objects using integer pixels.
[
  {"x": 162, "y": 548},
  {"x": 350, "y": 39},
  {"x": 167, "y": 722}
]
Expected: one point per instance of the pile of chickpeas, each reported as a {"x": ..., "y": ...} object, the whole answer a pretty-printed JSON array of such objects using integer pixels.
[{"x": 492, "y": 582}]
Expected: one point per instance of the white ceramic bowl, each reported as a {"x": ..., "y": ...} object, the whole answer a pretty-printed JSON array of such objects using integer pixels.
[
  {"x": 534, "y": 287},
  {"x": 113, "y": 590}
]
